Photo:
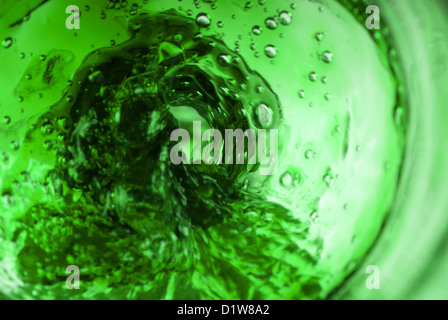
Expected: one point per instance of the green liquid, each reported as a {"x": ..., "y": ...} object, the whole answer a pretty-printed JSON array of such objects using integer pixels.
[{"x": 86, "y": 176}]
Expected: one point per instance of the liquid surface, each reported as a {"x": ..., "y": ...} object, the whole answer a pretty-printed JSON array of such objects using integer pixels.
[{"x": 86, "y": 177}]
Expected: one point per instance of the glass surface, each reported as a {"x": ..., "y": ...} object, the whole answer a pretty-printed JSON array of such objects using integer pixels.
[{"x": 86, "y": 170}]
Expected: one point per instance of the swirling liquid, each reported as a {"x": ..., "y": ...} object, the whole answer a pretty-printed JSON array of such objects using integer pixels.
[{"x": 86, "y": 175}]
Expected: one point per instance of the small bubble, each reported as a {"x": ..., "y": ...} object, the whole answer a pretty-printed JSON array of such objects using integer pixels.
[
  {"x": 203, "y": 20},
  {"x": 178, "y": 38},
  {"x": 270, "y": 51},
  {"x": 6, "y": 120},
  {"x": 270, "y": 23},
  {"x": 22, "y": 55},
  {"x": 48, "y": 145},
  {"x": 28, "y": 77},
  {"x": 293, "y": 6},
  {"x": 220, "y": 24},
  {"x": 256, "y": 30},
  {"x": 313, "y": 76},
  {"x": 302, "y": 94},
  {"x": 327, "y": 96},
  {"x": 42, "y": 57},
  {"x": 327, "y": 57},
  {"x": 20, "y": 99},
  {"x": 319, "y": 36},
  {"x": 309, "y": 154},
  {"x": 7, "y": 42},
  {"x": 4, "y": 157},
  {"x": 103, "y": 15},
  {"x": 284, "y": 18},
  {"x": 314, "y": 217},
  {"x": 358, "y": 148},
  {"x": 15, "y": 145},
  {"x": 223, "y": 59},
  {"x": 47, "y": 128},
  {"x": 324, "y": 79},
  {"x": 264, "y": 115},
  {"x": 259, "y": 89},
  {"x": 286, "y": 179},
  {"x": 8, "y": 199},
  {"x": 133, "y": 10},
  {"x": 189, "y": 12},
  {"x": 248, "y": 6},
  {"x": 328, "y": 179}
]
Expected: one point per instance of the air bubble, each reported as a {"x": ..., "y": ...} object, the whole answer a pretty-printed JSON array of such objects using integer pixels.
[
  {"x": 284, "y": 18},
  {"x": 256, "y": 30},
  {"x": 327, "y": 57},
  {"x": 264, "y": 115},
  {"x": 309, "y": 154},
  {"x": 313, "y": 76},
  {"x": 314, "y": 217},
  {"x": 286, "y": 179},
  {"x": 7, "y": 42},
  {"x": 203, "y": 20},
  {"x": 48, "y": 145},
  {"x": 270, "y": 51},
  {"x": 8, "y": 199},
  {"x": 4, "y": 157},
  {"x": 47, "y": 128},
  {"x": 270, "y": 23},
  {"x": 223, "y": 59},
  {"x": 319, "y": 36},
  {"x": 15, "y": 145},
  {"x": 6, "y": 120},
  {"x": 328, "y": 179}
]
